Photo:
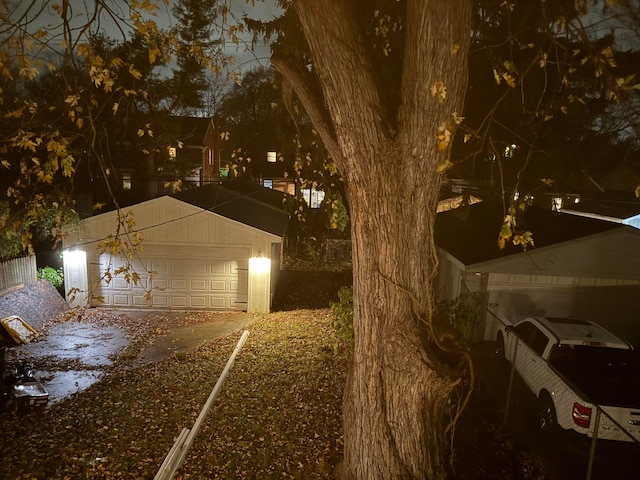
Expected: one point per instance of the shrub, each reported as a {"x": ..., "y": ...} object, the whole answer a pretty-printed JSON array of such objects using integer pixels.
[
  {"x": 462, "y": 313},
  {"x": 54, "y": 276},
  {"x": 342, "y": 312}
]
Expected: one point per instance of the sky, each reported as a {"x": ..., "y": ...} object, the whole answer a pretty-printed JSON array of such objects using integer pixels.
[{"x": 43, "y": 15}]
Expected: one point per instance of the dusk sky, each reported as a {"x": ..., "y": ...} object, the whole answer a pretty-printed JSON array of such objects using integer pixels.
[{"x": 42, "y": 14}]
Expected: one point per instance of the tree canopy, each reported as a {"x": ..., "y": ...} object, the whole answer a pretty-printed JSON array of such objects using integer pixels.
[{"x": 79, "y": 83}]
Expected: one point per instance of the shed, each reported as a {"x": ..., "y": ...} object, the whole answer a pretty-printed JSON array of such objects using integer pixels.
[
  {"x": 580, "y": 267},
  {"x": 208, "y": 248}
]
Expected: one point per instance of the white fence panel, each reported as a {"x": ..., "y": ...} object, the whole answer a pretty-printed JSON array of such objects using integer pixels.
[{"x": 19, "y": 271}]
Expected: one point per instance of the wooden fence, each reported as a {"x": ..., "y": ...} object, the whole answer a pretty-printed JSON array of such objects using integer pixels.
[{"x": 19, "y": 271}]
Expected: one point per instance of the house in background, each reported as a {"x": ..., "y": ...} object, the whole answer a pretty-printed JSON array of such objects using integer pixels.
[
  {"x": 144, "y": 163},
  {"x": 207, "y": 248},
  {"x": 580, "y": 267}
]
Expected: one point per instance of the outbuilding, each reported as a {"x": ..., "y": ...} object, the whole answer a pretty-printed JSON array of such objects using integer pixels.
[
  {"x": 579, "y": 267},
  {"x": 209, "y": 248}
]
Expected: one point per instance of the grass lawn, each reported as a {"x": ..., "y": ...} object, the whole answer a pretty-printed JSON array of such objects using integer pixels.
[{"x": 278, "y": 414}]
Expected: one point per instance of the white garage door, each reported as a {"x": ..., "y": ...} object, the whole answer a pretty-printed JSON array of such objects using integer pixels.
[{"x": 207, "y": 278}]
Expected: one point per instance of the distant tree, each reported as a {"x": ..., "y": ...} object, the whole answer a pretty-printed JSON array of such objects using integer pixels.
[
  {"x": 194, "y": 34},
  {"x": 75, "y": 102},
  {"x": 539, "y": 106}
]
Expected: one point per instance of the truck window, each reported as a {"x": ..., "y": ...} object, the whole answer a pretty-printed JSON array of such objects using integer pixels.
[
  {"x": 539, "y": 342},
  {"x": 524, "y": 331},
  {"x": 532, "y": 336}
]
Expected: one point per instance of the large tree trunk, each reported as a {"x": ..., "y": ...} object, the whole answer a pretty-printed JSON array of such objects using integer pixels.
[{"x": 398, "y": 398}]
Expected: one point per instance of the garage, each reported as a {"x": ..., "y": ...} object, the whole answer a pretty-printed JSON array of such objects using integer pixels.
[
  {"x": 580, "y": 267},
  {"x": 209, "y": 248}
]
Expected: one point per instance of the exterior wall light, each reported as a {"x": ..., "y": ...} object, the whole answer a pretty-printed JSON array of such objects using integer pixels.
[
  {"x": 259, "y": 264},
  {"x": 74, "y": 257}
]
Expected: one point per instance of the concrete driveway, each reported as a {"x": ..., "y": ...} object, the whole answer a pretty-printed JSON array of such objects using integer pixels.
[
  {"x": 188, "y": 337},
  {"x": 73, "y": 355}
]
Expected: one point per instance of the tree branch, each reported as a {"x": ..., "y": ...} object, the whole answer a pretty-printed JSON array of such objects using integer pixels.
[
  {"x": 306, "y": 87},
  {"x": 342, "y": 62}
]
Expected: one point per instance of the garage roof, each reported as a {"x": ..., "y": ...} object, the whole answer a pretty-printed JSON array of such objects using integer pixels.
[
  {"x": 564, "y": 244},
  {"x": 249, "y": 204}
]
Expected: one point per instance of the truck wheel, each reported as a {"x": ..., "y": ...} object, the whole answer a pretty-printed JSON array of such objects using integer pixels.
[{"x": 546, "y": 414}]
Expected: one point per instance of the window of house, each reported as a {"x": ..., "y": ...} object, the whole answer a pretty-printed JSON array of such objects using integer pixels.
[
  {"x": 210, "y": 156},
  {"x": 313, "y": 197},
  {"x": 126, "y": 181},
  {"x": 267, "y": 183},
  {"x": 272, "y": 157}
]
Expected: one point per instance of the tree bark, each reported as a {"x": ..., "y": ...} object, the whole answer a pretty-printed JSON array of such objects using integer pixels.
[{"x": 398, "y": 397}]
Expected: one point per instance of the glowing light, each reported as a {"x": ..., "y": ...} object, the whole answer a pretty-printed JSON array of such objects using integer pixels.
[
  {"x": 74, "y": 257},
  {"x": 259, "y": 265}
]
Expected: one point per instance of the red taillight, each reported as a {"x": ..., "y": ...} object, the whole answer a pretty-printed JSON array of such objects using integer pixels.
[{"x": 581, "y": 415}]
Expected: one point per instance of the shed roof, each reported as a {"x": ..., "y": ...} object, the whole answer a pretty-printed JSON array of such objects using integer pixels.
[
  {"x": 565, "y": 245},
  {"x": 249, "y": 204}
]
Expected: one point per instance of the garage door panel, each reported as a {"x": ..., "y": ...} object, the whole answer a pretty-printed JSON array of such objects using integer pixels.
[
  {"x": 198, "y": 301},
  {"x": 140, "y": 301},
  {"x": 179, "y": 301},
  {"x": 180, "y": 267},
  {"x": 198, "y": 285},
  {"x": 121, "y": 284},
  {"x": 218, "y": 285},
  {"x": 160, "y": 283},
  {"x": 179, "y": 284},
  {"x": 219, "y": 303},
  {"x": 161, "y": 267},
  {"x": 159, "y": 301},
  {"x": 238, "y": 268},
  {"x": 121, "y": 300},
  {"x": 197, "y": 277},
  {"x": 218, "y": 268},
  {"x": 198, "y": 269}
]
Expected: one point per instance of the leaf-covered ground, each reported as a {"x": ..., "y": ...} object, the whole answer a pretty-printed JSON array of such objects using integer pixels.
[{"x": 278, "y": 415}]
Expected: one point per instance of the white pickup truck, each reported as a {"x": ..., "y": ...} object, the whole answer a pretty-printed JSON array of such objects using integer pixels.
[{"x": 574, "y": 367}]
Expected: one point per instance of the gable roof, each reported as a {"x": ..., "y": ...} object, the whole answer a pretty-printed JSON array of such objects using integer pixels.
[
  {"x": 249, "y": 204},
  {"x": 565, "y": 245}
]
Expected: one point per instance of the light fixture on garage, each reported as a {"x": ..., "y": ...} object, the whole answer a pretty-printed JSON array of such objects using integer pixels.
[
  {"x": 259, "y": 264},
  {"x": 74, "y": 257}
]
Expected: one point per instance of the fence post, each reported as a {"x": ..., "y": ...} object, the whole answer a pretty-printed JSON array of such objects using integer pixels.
[
  {"x": 592, "y": 450},
  {"x": 511, "y": 379}
]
